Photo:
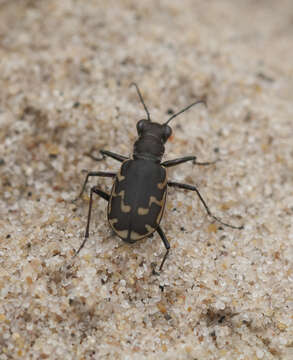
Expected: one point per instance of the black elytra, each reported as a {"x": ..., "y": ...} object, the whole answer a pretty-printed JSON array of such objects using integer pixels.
[{"x": 138, "y": 197}]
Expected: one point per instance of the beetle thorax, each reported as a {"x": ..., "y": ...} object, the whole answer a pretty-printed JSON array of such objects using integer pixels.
[
  {"x": 148, "y": 147},
  {"x": 151, "y": 140}
]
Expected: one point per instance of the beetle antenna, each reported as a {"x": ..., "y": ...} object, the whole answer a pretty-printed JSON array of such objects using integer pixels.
[
  {"x": 141, "y": 99},
  {"x": 186, "y": 108}
]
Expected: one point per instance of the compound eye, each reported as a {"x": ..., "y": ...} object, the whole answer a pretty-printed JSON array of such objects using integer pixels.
[
  {"x": 140, "y": 126},
  {"x": 167, "y": 132}
]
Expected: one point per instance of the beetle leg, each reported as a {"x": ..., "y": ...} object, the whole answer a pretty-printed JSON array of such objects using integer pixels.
[
  {"x": 193, "y": 188},
  {"x": 106, "y": 153},
  {"x": 166, "y": 243},
  {"x": 94, "y": 173},
  {"x": 184, "y": 159},
  {"x": 206, "y": 162},
  {"x": 112, "y": 155},
  {"x": 105, "y": 196}
]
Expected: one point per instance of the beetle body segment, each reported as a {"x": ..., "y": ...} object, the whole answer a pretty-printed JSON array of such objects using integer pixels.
[{"x": 137, "y": 200}]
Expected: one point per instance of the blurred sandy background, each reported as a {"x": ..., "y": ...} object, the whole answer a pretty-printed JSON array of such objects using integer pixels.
[{"x": 65, "y": 70}]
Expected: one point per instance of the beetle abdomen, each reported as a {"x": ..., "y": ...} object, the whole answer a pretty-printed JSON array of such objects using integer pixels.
[{"x": 137, "y": 199}]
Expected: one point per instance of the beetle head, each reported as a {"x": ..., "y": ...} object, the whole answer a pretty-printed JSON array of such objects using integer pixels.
[
  {"x": 151, "y": 140},
  {"x": 152, "y": 135},
  {"x": 146, "y": 128}
]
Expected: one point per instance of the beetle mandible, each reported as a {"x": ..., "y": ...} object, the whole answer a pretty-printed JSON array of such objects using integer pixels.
[{"x": 138, "y": 196}]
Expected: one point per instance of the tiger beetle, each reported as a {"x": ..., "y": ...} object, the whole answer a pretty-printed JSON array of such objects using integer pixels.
[{"x": 138, "y": 196}]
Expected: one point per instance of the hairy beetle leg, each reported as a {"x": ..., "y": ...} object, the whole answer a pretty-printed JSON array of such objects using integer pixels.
[{"x": 193, "y": 188}]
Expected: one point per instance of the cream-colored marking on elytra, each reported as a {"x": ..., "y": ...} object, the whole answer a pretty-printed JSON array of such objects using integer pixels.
[
  {"x": 112, "y": 222},
  {"x": 136, "y": 236},
  {"x": 114, "y": 194},
  {"x": 122, "y": 193},
  {"x": 143, "y": 211},
  {"x": 124, "y": 208},
  {"x": 120, "y": 177},
  {"x": 163, "y": 184},
  {"x": 154, "y": 200},
  {"x": 159, "y": 217},
  {"x": 149, "y": 229},
  {"x": 110, "y": 201},
  {"x": 122, "y": 233}
]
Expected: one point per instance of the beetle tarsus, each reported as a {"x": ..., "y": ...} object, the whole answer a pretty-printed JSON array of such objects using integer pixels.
[
  {"x": 206, "y": 163},
  {"x": 164, "y": 259},
  {"x": 104, "y": 154},
  {"x": 166, "y": 243}
]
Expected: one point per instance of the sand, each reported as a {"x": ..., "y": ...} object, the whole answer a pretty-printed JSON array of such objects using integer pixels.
[{"x": 65, "y": 71}]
